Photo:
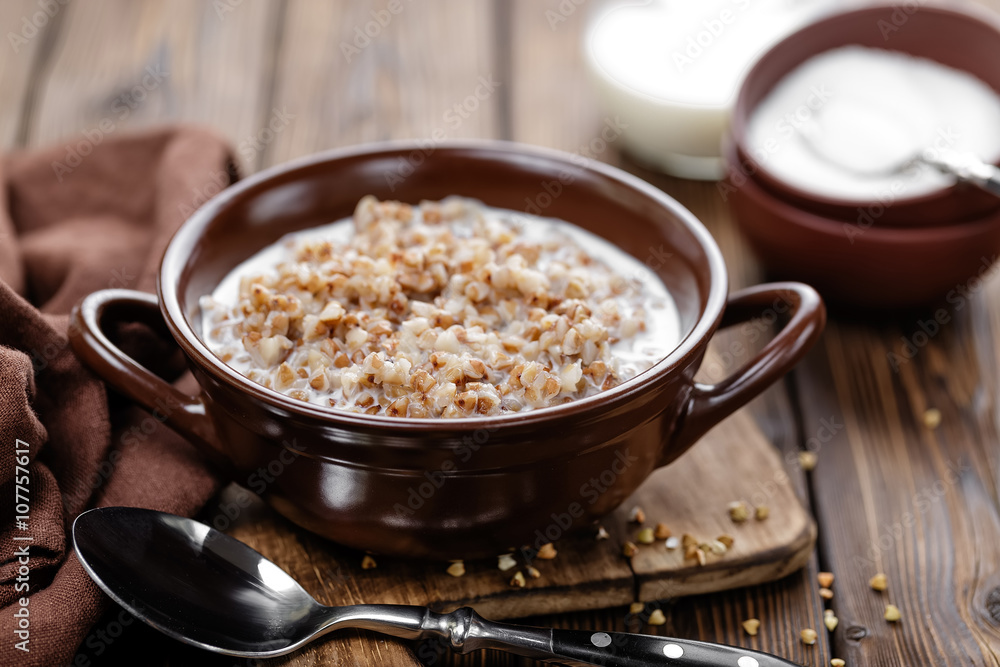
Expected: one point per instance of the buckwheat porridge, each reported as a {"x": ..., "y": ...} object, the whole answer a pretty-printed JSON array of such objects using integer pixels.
[{"x": 446, "y": 309}]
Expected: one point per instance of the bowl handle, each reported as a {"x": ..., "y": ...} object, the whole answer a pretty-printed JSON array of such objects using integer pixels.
[
  {"x": 182, "y": 413},
  {"x": 709, "y": 404}
]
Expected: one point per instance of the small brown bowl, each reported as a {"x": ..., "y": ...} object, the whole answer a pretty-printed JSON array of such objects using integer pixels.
[
  {"x": 954, "y": 38},
  {"x": 874, "y": 267},
  {"x": 441, "y": 488}
]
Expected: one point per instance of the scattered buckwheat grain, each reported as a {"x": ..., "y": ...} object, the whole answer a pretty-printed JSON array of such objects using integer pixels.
[
  {"x": 879, "y": 582},
  {"x": 738, "y": 511},
  {"x": 547, "y": 552},
  {"x": 830, "y": 621}
]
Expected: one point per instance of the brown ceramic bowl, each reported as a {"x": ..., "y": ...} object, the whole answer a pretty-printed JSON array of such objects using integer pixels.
[
  {"x": 953, "y": 38},
  {"x": 877, "y": 267},
  {"x": 447, "y": 488}
]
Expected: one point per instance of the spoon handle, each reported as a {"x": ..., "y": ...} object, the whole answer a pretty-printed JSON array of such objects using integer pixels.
[
  {"x": 467, "y": 631},
  {"x": 969, "y": 169}
]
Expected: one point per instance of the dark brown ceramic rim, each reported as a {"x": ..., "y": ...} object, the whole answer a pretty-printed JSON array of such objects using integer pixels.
[
  {"x": 883, "y": 269},
  {"x": 814, "y": 39},
  {"x": 185, "y": 241}
]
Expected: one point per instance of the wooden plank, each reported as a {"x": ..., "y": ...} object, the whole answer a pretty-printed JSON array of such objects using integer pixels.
[
  {"x": 121, "y": 65},
  {"x": 28, "y": 29},
  {"x": 916, "y": 503},
  {"x": 732, "y": 463},
  {"x": 428, "y": 73}
]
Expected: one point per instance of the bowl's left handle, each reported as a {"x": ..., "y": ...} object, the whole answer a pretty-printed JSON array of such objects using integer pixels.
[{"x": 182, "y": 413}]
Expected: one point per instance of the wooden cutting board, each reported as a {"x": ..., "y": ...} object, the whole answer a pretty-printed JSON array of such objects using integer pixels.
[{"x": 733, "y": 462}]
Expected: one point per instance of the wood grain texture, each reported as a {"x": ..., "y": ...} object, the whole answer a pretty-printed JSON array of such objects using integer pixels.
[
  {"x": 28, "y": 31},
  {"x": 422, "y": 75},
  {"x": 916, "y": 503},
  {"x": 124, "y": 65}
]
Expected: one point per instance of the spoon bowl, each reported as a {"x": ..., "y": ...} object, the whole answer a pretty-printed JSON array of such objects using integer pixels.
[
  {"x": 225, "y": 597},
  {"x": 210, "y": 590}
]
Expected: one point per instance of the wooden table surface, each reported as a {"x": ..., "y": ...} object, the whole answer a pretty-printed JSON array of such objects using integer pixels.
[{"x": 889, "y": 494}]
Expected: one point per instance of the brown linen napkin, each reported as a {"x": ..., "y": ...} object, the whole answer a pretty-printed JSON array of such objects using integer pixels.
[{"x": 75, "y": 219}]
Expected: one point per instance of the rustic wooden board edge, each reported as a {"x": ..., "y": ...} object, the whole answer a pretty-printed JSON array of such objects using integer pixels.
[
  {"x": 726, "y": 575},
  {"x": 521, "y": 603}
]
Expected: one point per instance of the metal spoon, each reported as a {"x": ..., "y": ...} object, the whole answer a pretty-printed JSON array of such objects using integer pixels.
[
  {"x": 963, "y": 166},
  {"x": 210, "y": 590}
]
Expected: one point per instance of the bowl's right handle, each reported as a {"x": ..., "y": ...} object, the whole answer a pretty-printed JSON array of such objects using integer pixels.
[
  {"x": 710, "y": 404},
  {"x": 182, "y": 413}
]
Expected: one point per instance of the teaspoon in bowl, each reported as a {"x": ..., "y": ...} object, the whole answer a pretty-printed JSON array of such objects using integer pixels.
[
  {"x": 207, "y": 589},
  {"x": 964, "y": 167}
]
